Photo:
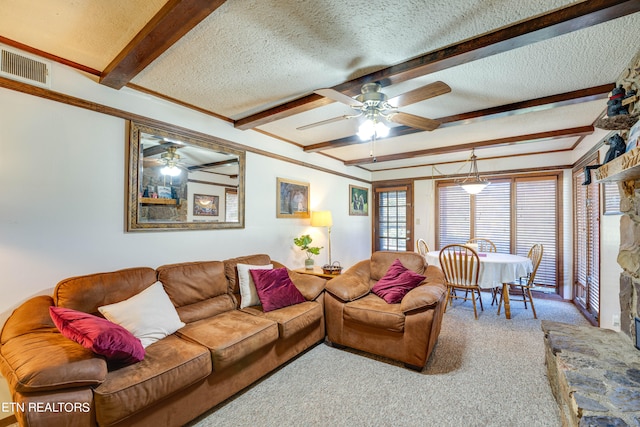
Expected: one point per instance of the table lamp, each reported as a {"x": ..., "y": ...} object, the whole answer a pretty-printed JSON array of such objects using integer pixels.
[{"x": 323, "y": 219}]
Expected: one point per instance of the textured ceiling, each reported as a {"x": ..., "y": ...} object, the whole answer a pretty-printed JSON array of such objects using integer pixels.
[{"x": 252, "y": 55}]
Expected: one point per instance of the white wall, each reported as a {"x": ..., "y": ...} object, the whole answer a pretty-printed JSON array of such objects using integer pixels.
[{"x": 62, "y": 209}]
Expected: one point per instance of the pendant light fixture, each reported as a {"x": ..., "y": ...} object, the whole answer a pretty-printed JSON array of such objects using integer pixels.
[{"x": 473, "y": 184}]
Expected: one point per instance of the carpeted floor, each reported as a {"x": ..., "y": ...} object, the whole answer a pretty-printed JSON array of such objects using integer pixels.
[{"x": 488, "y": 372}]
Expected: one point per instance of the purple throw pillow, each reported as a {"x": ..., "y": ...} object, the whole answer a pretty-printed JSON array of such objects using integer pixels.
[
  {"x": 275, "y": 289},
  {"x": 396, "y": 283},
  {"x": 99, "y": 335}
]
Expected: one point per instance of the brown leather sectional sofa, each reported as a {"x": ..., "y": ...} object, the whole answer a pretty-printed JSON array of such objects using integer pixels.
[{"x": 221, "y": 350}]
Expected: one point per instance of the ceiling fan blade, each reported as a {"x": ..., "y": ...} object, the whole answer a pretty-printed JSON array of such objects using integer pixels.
[
  {"x": 324, "y": 122},
  {"x": 414, "y": 121},
  {"x": 339, "y": 97},
  {"x": 420, "y": 94}
]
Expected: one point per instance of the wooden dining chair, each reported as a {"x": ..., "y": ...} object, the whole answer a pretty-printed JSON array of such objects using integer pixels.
[
  {"x": 461, "y": 267},
  {"x": 422, "y": 247},
  {"x": 527, "y": 283},
  {"x": 484, "y": 245}
]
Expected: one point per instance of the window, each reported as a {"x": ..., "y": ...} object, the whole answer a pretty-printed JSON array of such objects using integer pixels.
[{"x": 514, "y": 213}]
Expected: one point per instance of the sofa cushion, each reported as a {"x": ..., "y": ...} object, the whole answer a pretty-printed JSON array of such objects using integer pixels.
[
  {"x": 99, "y": 335},
  {"x": 248, "y": 294},
  {"x": 231, "y": 271},
  {"x": 149, "y": 316},
  {"x": 169, "y": 366},
  {"x": 197, "y": 289},
  {"x": 275, "y": 289},
  {"x": 87, "y": 293},
  {"x": 373, "y": 311},
  {"x": 291, "y": 319},
  {"x": 42, "y": 361},
  {"x": 396, "y": 283},
  {"x": 231, "y": 336}
]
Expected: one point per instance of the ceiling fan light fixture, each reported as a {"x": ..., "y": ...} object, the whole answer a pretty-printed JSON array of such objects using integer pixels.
[
  {"x": 371, "y": 128},
  {"x": 171, "y": 170},
  {"x": 473, "y": 184}
]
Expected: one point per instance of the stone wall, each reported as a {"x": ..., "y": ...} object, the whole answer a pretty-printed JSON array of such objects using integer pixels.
[{"x": 629, "y": 255}]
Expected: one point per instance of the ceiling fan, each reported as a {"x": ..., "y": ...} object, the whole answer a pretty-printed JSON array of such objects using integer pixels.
[{"x": 375, "y": 107}]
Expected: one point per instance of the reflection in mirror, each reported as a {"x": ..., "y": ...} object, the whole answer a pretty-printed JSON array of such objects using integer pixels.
[{"x": 183, "y": 180}]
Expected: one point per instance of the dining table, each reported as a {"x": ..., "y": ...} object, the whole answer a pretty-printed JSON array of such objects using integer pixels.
[{"x": 496, "y": 270}]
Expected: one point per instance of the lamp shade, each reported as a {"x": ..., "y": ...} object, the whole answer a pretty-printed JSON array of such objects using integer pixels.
[{"x": 321, "y": 219}]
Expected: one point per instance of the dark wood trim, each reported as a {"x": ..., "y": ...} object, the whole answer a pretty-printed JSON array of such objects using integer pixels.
[
  {"x": 534, "y": 153},
  {"x": 542, "y": 27},
  {"x": 174, "y": 20},
  {"x": 49, "y": 56},
  {"x": 100, "y": 108},
  {"x": 491, "y": 143},
  {"x": 531, "y": 105}
]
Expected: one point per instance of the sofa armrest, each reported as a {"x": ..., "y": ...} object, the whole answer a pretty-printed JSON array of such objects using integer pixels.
[
  {"x": 42, "y": 361},
  {"x": 353, "y": 283},
  {"x": 309, "y": 286},
  {"x": 32, "y": 315}
]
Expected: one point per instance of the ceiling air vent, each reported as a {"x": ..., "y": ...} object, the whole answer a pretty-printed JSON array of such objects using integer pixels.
[{"x": 17, "y": 66}]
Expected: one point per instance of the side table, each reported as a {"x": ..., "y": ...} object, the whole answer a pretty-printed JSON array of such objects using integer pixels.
[{"x": 317, "y": 271}]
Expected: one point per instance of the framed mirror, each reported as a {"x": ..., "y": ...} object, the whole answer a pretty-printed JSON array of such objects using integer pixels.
[{"x": 182, "y": 180}]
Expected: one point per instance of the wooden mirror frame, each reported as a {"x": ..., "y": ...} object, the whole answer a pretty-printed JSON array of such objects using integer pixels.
[{"x": 133, "y": 168}]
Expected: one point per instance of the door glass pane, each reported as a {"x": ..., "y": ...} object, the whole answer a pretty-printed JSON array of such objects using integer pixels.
[{"x": 392, "y": 220}]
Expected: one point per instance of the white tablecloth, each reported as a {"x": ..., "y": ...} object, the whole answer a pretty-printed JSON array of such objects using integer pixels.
[{"x": 495, "y": 268}]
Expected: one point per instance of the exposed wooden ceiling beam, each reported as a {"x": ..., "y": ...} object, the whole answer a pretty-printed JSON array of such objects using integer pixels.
[
  {"x": 491, "y": 143},
  {"x": 174, "y": 20},
  {"x": 542, "y": 27},
  {"x": 538, "y": 104}
]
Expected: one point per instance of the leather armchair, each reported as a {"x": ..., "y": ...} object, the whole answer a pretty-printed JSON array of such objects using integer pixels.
[{"x": 407, "y": 331}]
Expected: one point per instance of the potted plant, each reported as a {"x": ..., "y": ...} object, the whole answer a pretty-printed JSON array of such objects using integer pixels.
[{"x": 303, "y": 242}]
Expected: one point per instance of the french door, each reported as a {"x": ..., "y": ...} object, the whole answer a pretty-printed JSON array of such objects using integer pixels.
[
  {"x": 393, "y": 221},
  {"x": 586, "y": 285}
]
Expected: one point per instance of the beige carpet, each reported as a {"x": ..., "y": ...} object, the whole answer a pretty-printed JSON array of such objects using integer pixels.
[{"x": 488, "y": 372}]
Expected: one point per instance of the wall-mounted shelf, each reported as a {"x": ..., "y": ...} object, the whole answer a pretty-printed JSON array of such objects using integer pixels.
[
  {"x": 623, "y": 168},
  {"x": 157, "y": 201}
]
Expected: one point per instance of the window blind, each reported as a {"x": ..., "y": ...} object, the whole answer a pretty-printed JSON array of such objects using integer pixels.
[
  {"x": 536, "y": 222},
  {"x": 455, "y": 215},
  {"x": 493, "y": 215},
  {"x": 514, "y": 213}
]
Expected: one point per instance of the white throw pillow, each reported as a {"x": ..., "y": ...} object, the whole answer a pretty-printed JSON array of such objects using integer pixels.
[
  {"x": 149, "y": 315},
  {"x": 248, "y": 293}
]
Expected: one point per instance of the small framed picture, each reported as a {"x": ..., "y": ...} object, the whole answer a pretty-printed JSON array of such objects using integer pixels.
[
  {"x": 164, "y": 192},
  {"x": 292, "y": 199},
  {"x": 358, "y": 200},
  {"x": 205, "y": 205}
]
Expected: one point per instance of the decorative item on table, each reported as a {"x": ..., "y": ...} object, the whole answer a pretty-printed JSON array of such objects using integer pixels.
[
  {"x": 303, "y": 243},
  {"x": 334, "y": 268},
  {"x": 617, "y": 147}
]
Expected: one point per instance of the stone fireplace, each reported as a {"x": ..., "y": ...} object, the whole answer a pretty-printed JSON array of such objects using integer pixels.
[{"x": 594, "y": 372}]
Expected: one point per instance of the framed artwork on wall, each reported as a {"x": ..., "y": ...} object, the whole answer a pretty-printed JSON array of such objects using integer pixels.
[
  {"x": 292, "y": 199},
  {"x": 358, "y": 200},
  {"x": 205, "y": 205}
]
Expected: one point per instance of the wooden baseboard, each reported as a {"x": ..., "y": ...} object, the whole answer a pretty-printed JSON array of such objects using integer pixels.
[{"x": 11, "y": 419}]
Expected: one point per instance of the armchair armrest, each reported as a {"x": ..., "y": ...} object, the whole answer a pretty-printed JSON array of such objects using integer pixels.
[
  {"x": 353, "y": 283},
  {"x": 424, "y": 296}
]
